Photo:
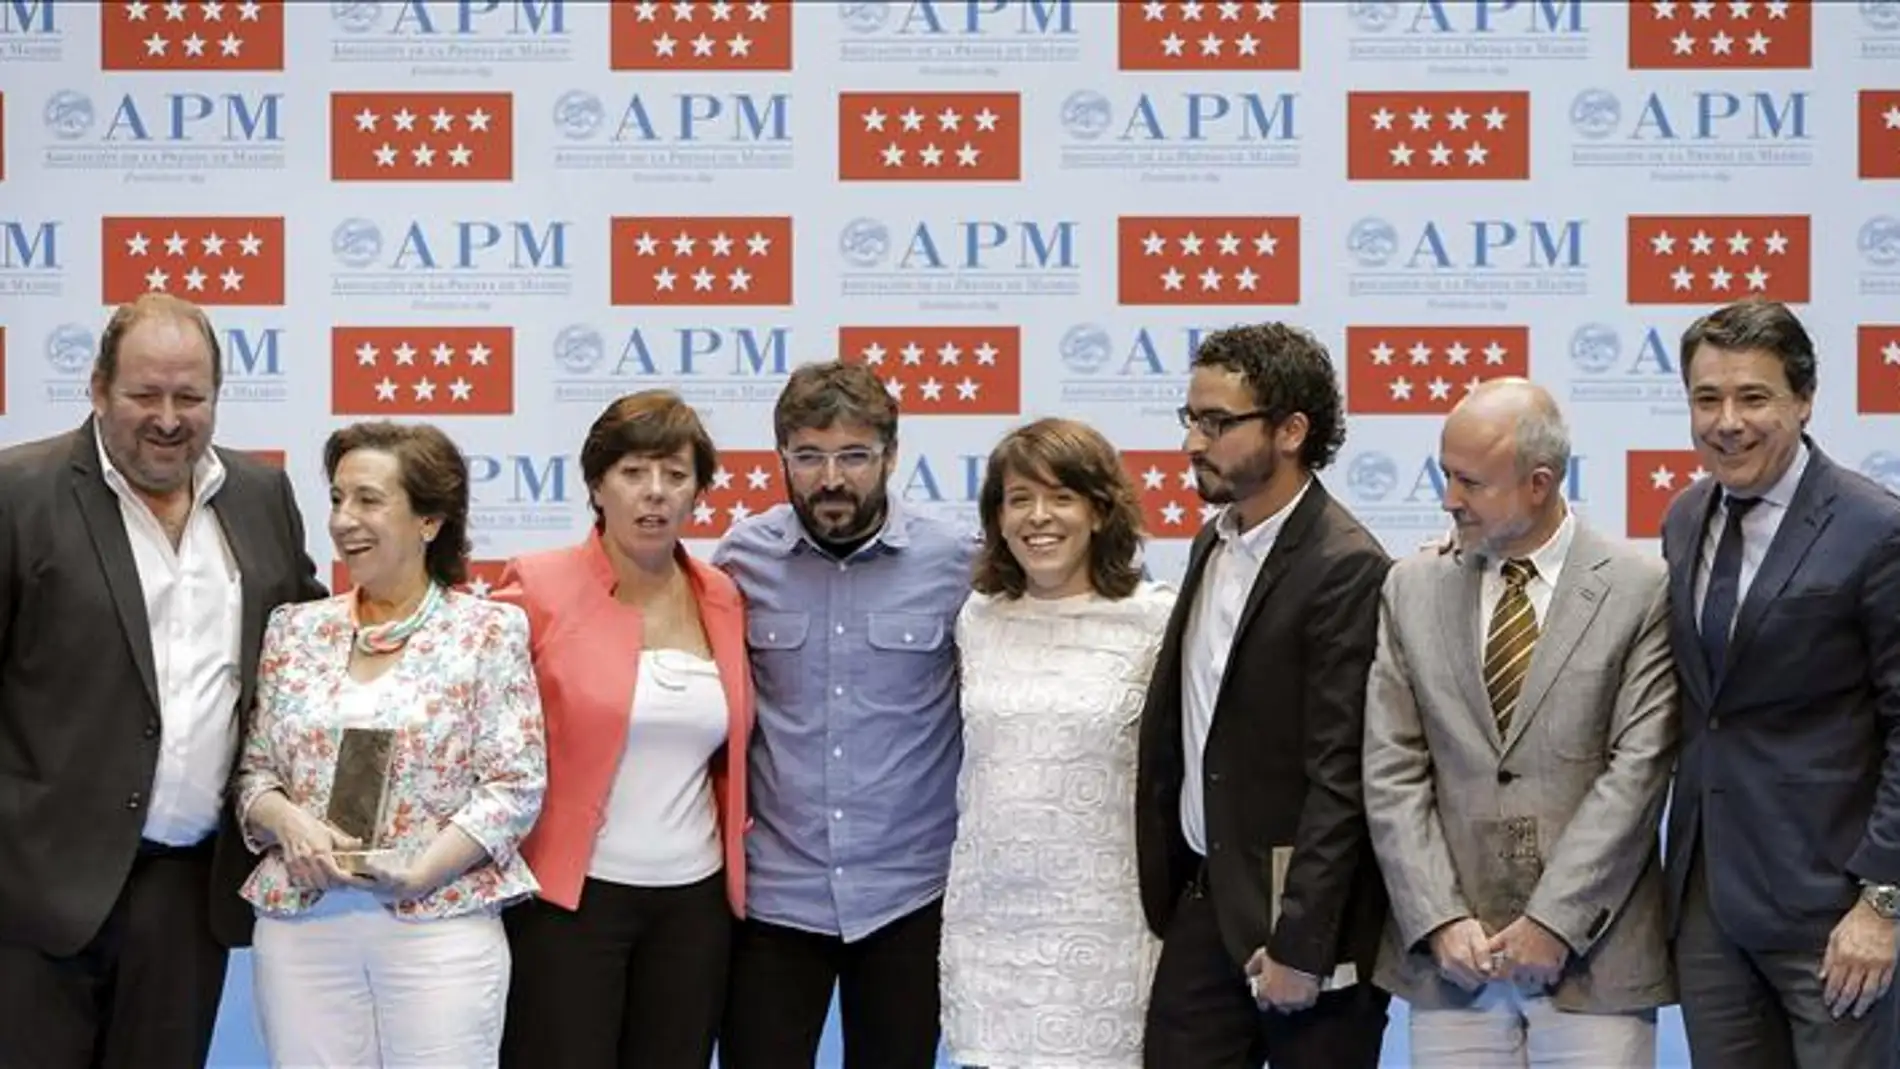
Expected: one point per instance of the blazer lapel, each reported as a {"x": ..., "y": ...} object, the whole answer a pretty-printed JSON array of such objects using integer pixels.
[
  {"x": 1458, "y": 593},
  {"x": 1808, "y": 515},
  {"x": 105, "y": 525},
  {"x": 231, "y": 506},
  {"x": 1579, "y": 594},
  {"x": 1281, "y": 558}
]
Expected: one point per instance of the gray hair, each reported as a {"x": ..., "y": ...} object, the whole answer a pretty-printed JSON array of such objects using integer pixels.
[{"x": 1543, "y": 441}]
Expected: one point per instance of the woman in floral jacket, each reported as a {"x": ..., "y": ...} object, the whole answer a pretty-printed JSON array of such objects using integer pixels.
[{"x": 373, "y": 953}]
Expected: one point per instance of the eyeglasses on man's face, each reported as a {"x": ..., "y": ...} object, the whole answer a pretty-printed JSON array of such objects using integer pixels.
[
  {"x": 1214, "y": 424},
  {"x": 855, "y": 460}
]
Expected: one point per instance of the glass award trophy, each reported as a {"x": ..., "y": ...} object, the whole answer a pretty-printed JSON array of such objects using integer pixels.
[{"x": 359, "y": 796}]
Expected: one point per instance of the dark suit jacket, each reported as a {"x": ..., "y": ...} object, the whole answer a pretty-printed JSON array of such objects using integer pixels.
[
  {"x": 1282, "y": 758},
  {"x": 79, "y": 715},
  {"x": 1790, "y": 766}
]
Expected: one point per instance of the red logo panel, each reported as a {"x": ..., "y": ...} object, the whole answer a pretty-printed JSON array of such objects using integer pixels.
[
  {"x": 1428, "y": 370},
  {"x": 1715, "y": 259},
  {"x": 702, "y": 260},
  {"x": 1253, "y": 36},
  {"x": 1171, "y": 506},
  {"x": 930, "y": 137},
  {"x": 1879, "y": 360},
  {"x": 747, "y": 482},
  {"x": 1724, "y": 35},
  {"x": 1438, "y": 136},
  {"x": 422, "y": 371},
  {"x": 205, "y": 259},
  {"x": 1652, "y": 479},
  {"x": 942, "y": 371},
  {"x": 730, "y": 36},
  {"x": 170, "y": 35},
  {"x": 1208, "y": 259},
  {"x": 422, "y": 137}
]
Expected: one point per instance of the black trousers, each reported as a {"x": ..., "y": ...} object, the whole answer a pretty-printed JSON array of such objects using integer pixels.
[
  {"x": 1201, "y": 1014},
  {"x": 142, "y": 995},
  {"x": 782, "y": 981},
  {"x": 636, "y": 977},
  {"x": 1750, "y": 1009}
]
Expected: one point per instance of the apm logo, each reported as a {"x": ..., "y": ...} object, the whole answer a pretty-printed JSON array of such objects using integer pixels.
[{"x": 962, "y": 257}]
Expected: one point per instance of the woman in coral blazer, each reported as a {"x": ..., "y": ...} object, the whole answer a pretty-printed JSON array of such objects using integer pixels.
[{"x": 639, "y": 652}]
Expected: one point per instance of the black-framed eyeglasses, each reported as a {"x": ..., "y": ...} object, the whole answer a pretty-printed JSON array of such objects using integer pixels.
[{"x": 1215, "y": 424}]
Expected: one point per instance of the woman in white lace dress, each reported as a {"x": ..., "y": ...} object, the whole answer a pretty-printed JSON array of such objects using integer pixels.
[{"x": 1046, "y": 959}]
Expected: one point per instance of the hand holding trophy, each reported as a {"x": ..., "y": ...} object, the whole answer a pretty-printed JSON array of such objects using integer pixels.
[{"x": 359, "y": 796}]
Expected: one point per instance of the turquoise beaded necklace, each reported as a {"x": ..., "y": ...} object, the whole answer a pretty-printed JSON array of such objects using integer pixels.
[{"x": 388, "y": 637}]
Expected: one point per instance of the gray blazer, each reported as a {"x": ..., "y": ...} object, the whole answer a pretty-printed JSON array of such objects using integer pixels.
[{"x": 1558, "y": 820}]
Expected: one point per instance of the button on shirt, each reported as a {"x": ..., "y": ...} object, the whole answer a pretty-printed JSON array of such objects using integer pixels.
[
  {"x": 1233, "y": 563},
  {"x": 1758, "y": 532},
  {"x": 194, "y": 605},
  {"x": 853, "y": 764}
]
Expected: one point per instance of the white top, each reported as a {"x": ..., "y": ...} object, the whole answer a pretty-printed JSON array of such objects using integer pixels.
[
  {"x": 194, "y": 603},
  {"x": 357, "y": 701},
  {"x": 662, "y": 826},
  {"x": 1233, "y": 563},
  {"x": 1046, "y": 958}
]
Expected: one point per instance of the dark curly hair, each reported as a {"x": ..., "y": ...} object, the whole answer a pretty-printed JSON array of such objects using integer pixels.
[{"x": 1288, "y": 371}]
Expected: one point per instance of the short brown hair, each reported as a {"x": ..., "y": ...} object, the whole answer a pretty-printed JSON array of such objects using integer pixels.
[
  {"x": 105, "y": 366},
  {"x": 1756, "y": 324},
  {"x": 651, "y": 423},
  {"x": 1075, "y": 456},
  {"x": 434, "y": 477},
  {"x": 818, "y": 396}
]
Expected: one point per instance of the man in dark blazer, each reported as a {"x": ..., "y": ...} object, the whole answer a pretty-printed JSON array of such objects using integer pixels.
[
  {"x": 1783, "y": 836},
  {"x": 137, "y": 566},
  {"x": 1256, "y": 867}
]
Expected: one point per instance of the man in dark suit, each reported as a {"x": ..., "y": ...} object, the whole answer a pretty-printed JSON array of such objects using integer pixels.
[
  {"x": 137, "y": 566},
  {"x": 1256, "y": 866},
  {"x": 1783, "y": 835}
]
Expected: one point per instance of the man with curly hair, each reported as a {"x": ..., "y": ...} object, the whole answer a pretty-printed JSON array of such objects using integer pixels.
[{"x": 1256, "y": 868}]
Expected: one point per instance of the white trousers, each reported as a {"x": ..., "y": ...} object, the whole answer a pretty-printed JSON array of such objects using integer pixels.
[
  {"x": 349, "y": 986},
  {"x": 1507, "y": 1029}
]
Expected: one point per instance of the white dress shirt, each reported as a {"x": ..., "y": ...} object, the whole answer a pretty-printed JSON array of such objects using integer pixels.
[
  {"x": 1548, "y": 559},
  {"x": 1758, "y": 532},
  {"x": 1233, "y": 563},
  {"x": 194, "y": 605}
]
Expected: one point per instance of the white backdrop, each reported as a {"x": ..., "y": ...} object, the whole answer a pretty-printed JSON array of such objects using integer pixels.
[
  {"x": 554, "y": 203},
  {"x": 501, "y": 214}
]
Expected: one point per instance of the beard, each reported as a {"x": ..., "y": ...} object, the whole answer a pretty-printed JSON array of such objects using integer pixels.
[
  {"x": 1226, "y": 485},
  {"x": 866, "y": 513}
]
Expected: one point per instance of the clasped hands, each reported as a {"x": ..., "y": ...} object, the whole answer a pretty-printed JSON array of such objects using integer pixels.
[
  {"x": 1278, "y": 987},
  {"x": 1524, "y": 952},
  {"x": 309, "y": 847}
]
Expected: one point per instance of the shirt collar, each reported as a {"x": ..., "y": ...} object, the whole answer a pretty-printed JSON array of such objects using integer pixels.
[
  {"x": 1548, "y": 558},
  {"x": 1256, "y": 541},
  {"x": 1781, "y": 495},
  {"x": 207, "y": 476}
]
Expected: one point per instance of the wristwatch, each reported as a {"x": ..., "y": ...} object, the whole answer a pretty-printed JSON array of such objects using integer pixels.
[{"x": 1882, "y": 898}]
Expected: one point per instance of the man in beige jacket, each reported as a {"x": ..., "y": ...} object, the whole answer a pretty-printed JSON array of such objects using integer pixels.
[{"x": 1520, "y": 725}]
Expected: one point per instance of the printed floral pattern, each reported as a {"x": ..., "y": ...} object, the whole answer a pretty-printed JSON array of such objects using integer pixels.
[{"x": 471, "y": 747}]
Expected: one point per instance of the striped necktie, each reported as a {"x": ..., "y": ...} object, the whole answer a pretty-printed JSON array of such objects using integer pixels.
[{"x": 1507, "y": 650}]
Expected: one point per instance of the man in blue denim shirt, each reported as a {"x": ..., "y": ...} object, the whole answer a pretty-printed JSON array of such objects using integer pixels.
[{"x": 851, "y": 611}]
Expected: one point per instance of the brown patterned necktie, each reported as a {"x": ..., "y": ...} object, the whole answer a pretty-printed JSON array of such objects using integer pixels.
[{"x": 1507, "y": 650}]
